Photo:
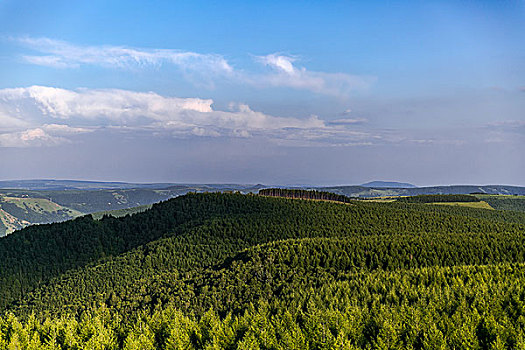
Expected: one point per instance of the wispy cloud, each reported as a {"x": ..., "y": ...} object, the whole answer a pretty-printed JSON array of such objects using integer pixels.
[
  {"x": 509, "y": 124},
  {"x": 505, "y": 130},
  {"x": 348, "y": 121},
  {"x": 201, "y": 69},
  {"x": 286, "y": 73},
  {"x": 196, "y": 67}
]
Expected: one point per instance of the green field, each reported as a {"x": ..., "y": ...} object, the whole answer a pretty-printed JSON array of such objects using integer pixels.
[
  {"x": 18, "y": 212},
  {"x": 479, "y": 205}
]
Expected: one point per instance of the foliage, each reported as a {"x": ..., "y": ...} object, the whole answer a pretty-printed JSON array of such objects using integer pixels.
[
  {"x": 304, "y": 194},
  {"x": 439, "y": 198},
  {"x": 505, "y": 202},
  {"x": 232, "y": 271}
]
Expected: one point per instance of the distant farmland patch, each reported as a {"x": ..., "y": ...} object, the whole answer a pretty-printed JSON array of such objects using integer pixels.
[{"x": 478, "y": 205}]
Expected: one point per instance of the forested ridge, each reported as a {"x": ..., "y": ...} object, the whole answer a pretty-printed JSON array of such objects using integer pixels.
[
  {"x": 304, "y": 194},
  {"x": 439, "y": 198},
  {"x": 516, "y": 203},
  {"x": 232, "y": 271}
]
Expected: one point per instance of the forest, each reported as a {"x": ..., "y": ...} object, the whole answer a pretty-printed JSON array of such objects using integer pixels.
[
  {"x": 233, "y": 271},
  {"x": 439, "y": 198},
  {"x": 304, "y": 194}
]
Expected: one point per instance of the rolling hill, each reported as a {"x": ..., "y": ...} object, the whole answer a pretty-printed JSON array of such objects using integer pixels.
[
  {"x": 233, "y": 271},
  {"x": 366, "y": 192},
  {"x": 46, "y": 201}
]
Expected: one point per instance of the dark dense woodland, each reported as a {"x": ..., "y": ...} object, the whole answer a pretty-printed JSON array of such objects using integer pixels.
[
  {"x": 232, "y": 271},
  {"x": 439, "y": 198},
  {"x": 304, "y": 194}
]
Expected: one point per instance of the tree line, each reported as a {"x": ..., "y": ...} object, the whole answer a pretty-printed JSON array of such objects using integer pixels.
[{"x": 304, "y": 194}]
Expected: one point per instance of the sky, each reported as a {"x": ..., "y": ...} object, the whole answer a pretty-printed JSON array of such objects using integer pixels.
[{"x": 273, "y": 92}]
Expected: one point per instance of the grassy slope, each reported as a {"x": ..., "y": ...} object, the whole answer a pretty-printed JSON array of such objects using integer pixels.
[
  {"x": 478, "y": 205},
  {"x": 9, "y": 223},
  {"x": 18, "y": 212}
]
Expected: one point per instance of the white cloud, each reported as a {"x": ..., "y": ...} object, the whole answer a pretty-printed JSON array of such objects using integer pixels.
[
  {"x": 53, "y": 116},
  {"x": 110, "y": 104},
  {"x": 285, "y": 73},
  {"x": 10, "y": 123},
  {"x": 61, "y": 129},
  {"x": 45, "y": 116},
  {"x": 46, "y": 135},
  {"x": 61, "y": 54},
  {"x": 282, "y": 63},
  {"x": 201, "y": 69},
  {"x": 29, "y": 138}
]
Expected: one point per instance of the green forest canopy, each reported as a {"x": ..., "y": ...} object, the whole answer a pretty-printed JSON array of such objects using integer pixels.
[{"x": 245, "y": 271}]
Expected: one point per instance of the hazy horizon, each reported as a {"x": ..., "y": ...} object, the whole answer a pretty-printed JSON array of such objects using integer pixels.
[
  {"x": 102, "y": 181},
  {"x": 317, "y": 93}
]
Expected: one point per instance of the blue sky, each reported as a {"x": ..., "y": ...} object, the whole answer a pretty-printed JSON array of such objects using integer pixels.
[{"x": 275, "y": 92}]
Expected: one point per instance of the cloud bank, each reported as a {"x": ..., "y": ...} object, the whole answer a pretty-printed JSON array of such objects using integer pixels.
[{"x": 40, "y": 116}]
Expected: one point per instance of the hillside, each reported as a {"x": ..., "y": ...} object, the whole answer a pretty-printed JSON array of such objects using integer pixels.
[
  {"x": 48, "y": 201},
  {"x": 20, "y": 208},
  {"x": 502, "y": 202},
  {"x": 245, "y": 271}
]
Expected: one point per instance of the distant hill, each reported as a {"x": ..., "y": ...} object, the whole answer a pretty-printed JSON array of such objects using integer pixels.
[
  {"x": 62, "y": 185},
  {"x": 388, "y": 184},
  {"x": 367, "y": 192}
]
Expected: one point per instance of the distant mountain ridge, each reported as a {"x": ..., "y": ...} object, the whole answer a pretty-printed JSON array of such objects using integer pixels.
[
  {"x": 62, "y": 185},
  {"x": 388, "y": 184},
  {"x": 364, "y": 192}
]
